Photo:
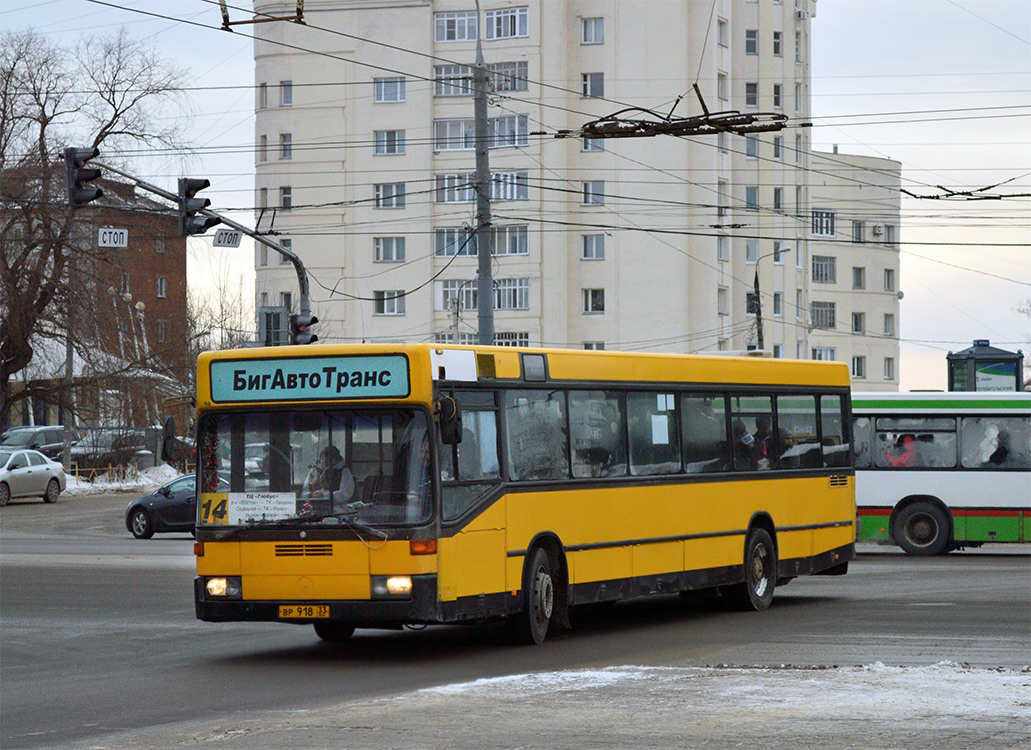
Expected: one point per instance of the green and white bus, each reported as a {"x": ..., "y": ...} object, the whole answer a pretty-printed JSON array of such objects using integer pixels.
[{"x": 942, "y": 471}]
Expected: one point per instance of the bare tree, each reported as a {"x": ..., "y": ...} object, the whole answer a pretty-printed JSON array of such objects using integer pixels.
[{"x": 107, "y": 90}]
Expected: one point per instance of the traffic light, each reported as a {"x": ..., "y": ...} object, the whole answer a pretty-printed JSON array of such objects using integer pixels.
[
  {"x": 190, "y": 222},
  {"x": 79, "y": 193},
  {"x": 300, "y": 329}
]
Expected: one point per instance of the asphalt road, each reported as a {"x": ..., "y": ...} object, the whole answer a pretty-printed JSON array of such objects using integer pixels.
[{"x": 99, "y": 636}]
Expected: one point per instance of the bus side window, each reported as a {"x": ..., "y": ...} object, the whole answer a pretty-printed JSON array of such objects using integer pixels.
[
  {"x": 654, "y": 433},
  {"x": 704, "y": 427},
  {"x": 996, "y": 443},
  {"x": 536, "y": 439},
  {"x": 835, "y": 439},
  {"x": 861, "y": 435},
  {"x": 796, "y": 445},
  {"x": 596, "y": 425}
]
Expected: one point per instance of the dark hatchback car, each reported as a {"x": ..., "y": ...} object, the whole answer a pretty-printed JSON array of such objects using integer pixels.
[
  {"x": 171, "y": 507},
  {"x": 47, "y": 440}
]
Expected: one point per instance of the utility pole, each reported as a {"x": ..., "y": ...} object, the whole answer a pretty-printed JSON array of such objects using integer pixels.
[
  {"x": 760, "y": 340},
  {"x": 484, "y": 245}
]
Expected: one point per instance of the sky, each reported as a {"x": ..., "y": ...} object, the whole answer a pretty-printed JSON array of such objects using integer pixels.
[{"x": 942, "y": 86}]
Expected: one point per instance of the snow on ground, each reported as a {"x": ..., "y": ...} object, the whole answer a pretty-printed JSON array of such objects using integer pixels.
[
  {"x": 874, "y": 690},
  {"x": 144, "y": 480}
]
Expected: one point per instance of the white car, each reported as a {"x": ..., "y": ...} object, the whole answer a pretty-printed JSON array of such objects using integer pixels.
[{"x": 25, "y": 473}]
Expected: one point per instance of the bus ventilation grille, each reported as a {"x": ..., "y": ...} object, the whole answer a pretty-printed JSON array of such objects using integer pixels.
[
  {"x": 839, "y": 481},
  {"x": 304, "y": 550}
]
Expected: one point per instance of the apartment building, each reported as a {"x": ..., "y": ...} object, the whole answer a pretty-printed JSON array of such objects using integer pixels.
[
  {"x": 364, "y": 157},
  {"x": 854, "y": 265}
]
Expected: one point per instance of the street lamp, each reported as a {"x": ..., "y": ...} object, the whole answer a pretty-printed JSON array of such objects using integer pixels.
[{"x": 759, "y": 338}]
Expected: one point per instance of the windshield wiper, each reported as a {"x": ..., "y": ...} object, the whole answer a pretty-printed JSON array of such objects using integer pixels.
[{"x": 345, "y": 517}]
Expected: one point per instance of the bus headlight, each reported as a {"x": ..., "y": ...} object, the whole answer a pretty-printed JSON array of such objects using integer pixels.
[
  {"x": 224, "y": 587},
  {"x": 391, "y": 587}
]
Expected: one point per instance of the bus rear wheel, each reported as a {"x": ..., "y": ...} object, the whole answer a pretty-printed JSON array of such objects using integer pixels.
[
  {"x": 756, "y": 592},
  {"x": 333, "y": 632},
  {"x": 922, "y": 529},
  {"x": 531, "y": 625}
]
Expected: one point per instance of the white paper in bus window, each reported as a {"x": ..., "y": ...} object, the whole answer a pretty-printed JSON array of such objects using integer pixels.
[
  {"x": 251, "y": 507},
  {"x": 660, "y": 429}
]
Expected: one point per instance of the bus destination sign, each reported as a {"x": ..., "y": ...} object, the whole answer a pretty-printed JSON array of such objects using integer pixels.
[{"x": 309, "y": 378}]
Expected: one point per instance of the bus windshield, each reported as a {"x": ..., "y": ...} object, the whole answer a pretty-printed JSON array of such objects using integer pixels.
[{"x": 370, "y": 466}]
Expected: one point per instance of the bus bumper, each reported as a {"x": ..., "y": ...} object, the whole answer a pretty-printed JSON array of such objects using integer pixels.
[{"x": 421, "y": 607}]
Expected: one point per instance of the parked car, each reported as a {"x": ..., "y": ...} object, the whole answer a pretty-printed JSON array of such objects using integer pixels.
[
  {"x": 102, "y": 448},
  {"x": 171, "y": 507},
  {"x": 48, "y": 440},
  {"x": 27, "y": 473}
]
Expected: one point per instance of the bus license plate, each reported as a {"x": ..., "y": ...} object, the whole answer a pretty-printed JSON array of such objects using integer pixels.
[{"x": 293, "y": 611}]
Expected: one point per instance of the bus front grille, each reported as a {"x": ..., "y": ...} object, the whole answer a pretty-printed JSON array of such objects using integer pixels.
[{"x": 304, "y": 550}]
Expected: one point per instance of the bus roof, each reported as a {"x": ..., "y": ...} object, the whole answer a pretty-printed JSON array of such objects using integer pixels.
[{"x": 953, "y": 401}]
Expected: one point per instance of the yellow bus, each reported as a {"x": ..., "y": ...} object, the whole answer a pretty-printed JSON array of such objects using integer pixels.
[{"x": 378, "y": 486}]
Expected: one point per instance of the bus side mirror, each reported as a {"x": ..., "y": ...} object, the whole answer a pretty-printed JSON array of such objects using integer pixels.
[
  {"x": 450, "y": 420},
  {"x": 168, "y": 440}
]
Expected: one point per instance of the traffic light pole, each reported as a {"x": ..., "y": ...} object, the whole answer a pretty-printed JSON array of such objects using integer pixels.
[{"x": 303, "y": 300}]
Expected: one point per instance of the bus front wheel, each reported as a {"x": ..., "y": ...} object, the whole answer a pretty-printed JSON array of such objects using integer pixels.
[
  {"x": 333, "y": 632},
  {"x": 538, "y": 600},
  {"x": 756, "y": 592},
  {"x": 922, "y": 529}
]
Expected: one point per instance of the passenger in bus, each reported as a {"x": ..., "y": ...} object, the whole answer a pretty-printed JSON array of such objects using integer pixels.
[
  {"x": 745, "y": 453},
  {"x": 787, "y": 450},
  {"x": 993, "y": 446},
  {"x": 330, "y": 477},
  {"x": 763, "y": 441},
  {"x": 907, "y": 457}
]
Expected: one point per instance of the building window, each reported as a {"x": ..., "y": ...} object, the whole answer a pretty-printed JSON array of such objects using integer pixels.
[
  {"x": 889, "y": 234},
  {"x": 390, "y": 195},
  {"x": 512, "y": 294},
  {"x": 778, "y": 198},
  {"x": 751, "y": 94},
  {"x": 389, "y": 302},
  {"x": 798, "y": 97},
  {"x": 592, "y": 85},
  {"x": 511, "y": 239},
  {"x": 798, "y": 149},
  {"x": 825, "y": 269},
  {"x": 510, "y": 338},
  {"x": 799, "y": 305},
  {"x": 460, "y": 188},
  {"x": 448, "y": 290},
  {"x": 593, "y": 247},
  {"x": 857, "y": 231},
  {"x": 595, "y": 345},
  {"x": 722, "y": 90},
  {"x": 509, "y": 186},
  {"x": 160, "y": 333},
  {"x": 778, "y": 147},
  {"x": 460, "y": 134},
  {"x": 778, "y": 351},
  {"x": 889, "y": 324},
  {"x": 721, "y": 32},
  {"x": 263, "y": 148},
  {"x": 288, "y": 245},
  {"x": 859, "y": 367},
  {"x": 752, "y": 146},
  {"x": 506, "y": 23},
  {"x": 889, "y": 368},
  {"x": 262, "y": 96},
  {"x": 858, "y": 322},
  {"x": 162, "y": 287},
  {"x": 592, "y": 30},
  {"x": 286, "y": 93},
  {"x": 778, "y": 304},
  {"x": 778, "y": 43},
  {"x": 779, "y": 248},
  {"x": 263, "y": 198},
  {"x": 823, "y": 223},
  {"x": 722, "y": 241},
  {"x": 389, "y": 249},
  {"x": 457, "y": 80},
  {"x": 159, "y": 242},
  {"x": 823, "y": 315},
  {"x": 450, "y": 241},
  {"x": 798, "y": 46},
  {"x": 286, "y": 146},
  {"x": 286, "y": 198},
  {"x": 594, "y": 193},
  {"x": 455, "y": 26},
  {"x": 858, "y": 277},
  {"x": 389, "y": 142},
  {"x": 778, "y": 96},
  {"x": 722, "y": 307},
  {"x": 823, "y": 353},
  {"x": 594, "y": 300},
  {"x": 752, "y": 198},
  {"x": 752, "y": 251},
  {"x": 262, "y": 255},
  {"x": 721, "y": 142},
  {"x": 721, "y": 197},
  {"x": 750, "y": 299},
  {"x": 286, "y": 299},
  {"x": 389, "y": 90},
  {"x": 798, "y": 199},
  {"x": 590, "y": 145},
  {"x": 509, "y": 76},
  {"x": 751, "y": 42},
  {"x": 889, "y": 279}
]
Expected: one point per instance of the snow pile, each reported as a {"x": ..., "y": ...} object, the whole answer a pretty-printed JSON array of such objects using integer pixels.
[{"x": 142, "y": 481}]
